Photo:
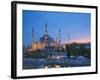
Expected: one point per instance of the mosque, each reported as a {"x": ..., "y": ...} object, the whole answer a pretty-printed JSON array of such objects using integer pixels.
[{"x": 46, "y": 42}]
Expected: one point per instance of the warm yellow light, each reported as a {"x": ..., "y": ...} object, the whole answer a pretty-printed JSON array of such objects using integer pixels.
[
  {"x": 46, "y": 67},
  {"x": 57, "y": 66}
]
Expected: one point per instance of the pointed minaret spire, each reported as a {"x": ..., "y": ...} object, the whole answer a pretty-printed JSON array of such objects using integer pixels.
[
  {"x": 59, "y": 37},
  {"x": 46, "y": 31},
  {"x": 59, "y": 40},
  {"x": 32, "y": 35},
  {"x": 56, "y": 41}
]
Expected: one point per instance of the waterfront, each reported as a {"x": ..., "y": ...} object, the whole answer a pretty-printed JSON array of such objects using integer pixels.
[{"x": 33, "y": 63}]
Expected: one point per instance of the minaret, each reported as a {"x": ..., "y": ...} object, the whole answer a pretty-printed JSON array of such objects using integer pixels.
[
  {"x": 68, "y": 47},
  {"x": 56, "y": 39},
  {"x": 69, "y": 39},
  {"x": 59, "y": 42},
  {"x": 33, "y": 36},
  {"x": 46, "y": 31}
]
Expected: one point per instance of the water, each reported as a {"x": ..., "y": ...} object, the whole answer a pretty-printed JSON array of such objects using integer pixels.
[{"x": 31, "y": 63}]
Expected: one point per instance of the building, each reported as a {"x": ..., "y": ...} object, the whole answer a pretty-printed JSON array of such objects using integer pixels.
[
  {"x": 49, "y": 45},
  {"x": 46, "y": 42}
]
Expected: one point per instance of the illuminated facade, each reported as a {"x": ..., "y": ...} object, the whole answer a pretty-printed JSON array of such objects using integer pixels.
[{"x": 46, "y": 42}]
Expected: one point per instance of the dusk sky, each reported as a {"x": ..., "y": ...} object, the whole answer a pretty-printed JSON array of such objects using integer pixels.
[{"x": 77, "y": 25}]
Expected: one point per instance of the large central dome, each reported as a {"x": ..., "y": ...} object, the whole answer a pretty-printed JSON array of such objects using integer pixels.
[{"x": 46, "y": 38}]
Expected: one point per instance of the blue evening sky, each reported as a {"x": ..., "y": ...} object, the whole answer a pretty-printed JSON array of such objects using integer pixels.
[{"x": 75, "y": 24}]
